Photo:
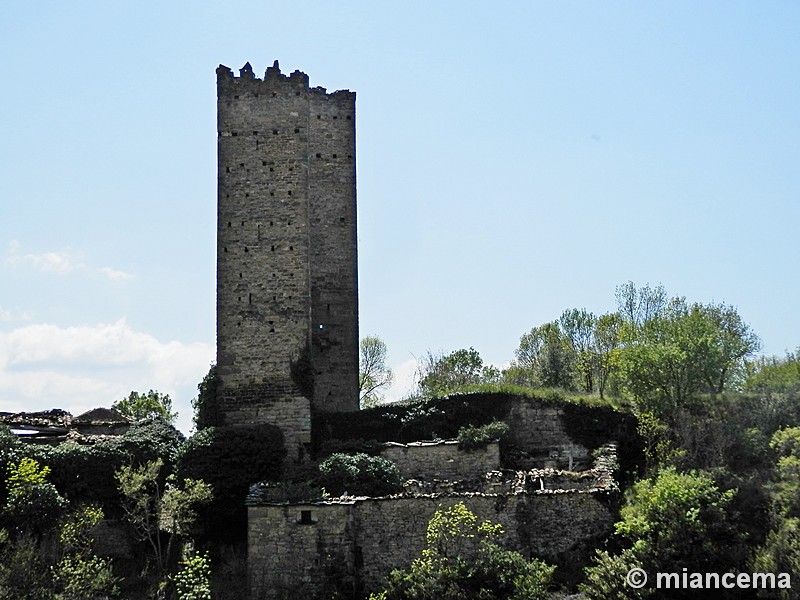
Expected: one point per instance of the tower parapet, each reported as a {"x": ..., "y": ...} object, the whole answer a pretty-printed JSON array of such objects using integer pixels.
[{"x": 287, "y": 281}]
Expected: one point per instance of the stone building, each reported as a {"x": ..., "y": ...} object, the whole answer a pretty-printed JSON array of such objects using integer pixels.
[
  {"x": 287, "y": 280},
  {"x": 348, "y": 545}
]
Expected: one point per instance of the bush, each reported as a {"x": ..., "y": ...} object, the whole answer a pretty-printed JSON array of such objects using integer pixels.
[
  {"x": 148, "y": 440},
  {"x": 33, "y": 504},
  {"x": 470, "y": 438},
  {"x": 193, "y": 581},
  {"x": 463, "y": 561},
  {"x": 23, "y": 573},
  {"x": 359, "y": 475}
]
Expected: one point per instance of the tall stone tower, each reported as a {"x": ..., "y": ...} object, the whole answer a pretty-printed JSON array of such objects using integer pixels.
[{"x": 287, "y": 273}]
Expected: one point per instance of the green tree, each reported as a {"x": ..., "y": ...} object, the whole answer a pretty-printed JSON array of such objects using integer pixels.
[
  {"x": 463, "y": 560},
  {"x": 671, "y": 521},
  {"x": 638, "y": 305},
  {"x": 607, "y": 342},
  {"x": 360, "y": 474},
  {"x": 683, "y": 351},
  {"x": 771, "y": 375},
  {"x": 441, "y": 374},
  {"x": 152, "y": 506},
  {"x": 80, "y": 574},
  {"x": 24, "y": 574},
  {"x": 206, "y": 407},
  {"x": 373, "y": 373},
  {"x": 142, "y": 406},
  {"x": 780, "y": 552},
  {"x": 578, "y": 328},
  {"x": 544, "y": 358},
  {"x": 33, "y": 504}
]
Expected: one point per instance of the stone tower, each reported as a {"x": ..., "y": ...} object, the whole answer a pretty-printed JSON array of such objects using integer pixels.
[{"x": 287, "y": 273}]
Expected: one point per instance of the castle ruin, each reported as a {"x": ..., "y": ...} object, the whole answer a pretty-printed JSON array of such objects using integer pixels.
[{"x": 287, "y": 273}]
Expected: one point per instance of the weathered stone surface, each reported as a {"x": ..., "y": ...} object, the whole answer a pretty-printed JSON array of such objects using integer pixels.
[
  {"x": 537, "y": 429},
  {"x": 360, "y": 540},
  {"x": 287, "y": 292},
  {"x": 442, "y": 460}
]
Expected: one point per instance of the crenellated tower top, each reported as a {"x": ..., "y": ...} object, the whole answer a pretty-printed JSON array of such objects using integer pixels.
[{"x": 272, "y": 78}]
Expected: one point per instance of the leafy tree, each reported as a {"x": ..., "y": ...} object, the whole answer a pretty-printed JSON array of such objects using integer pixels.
[
  {"x": 668, "y": 522},
  {"x": 544, "y": 358},
  {"x": 771, "y": 375},
  {"x": 373, "y": 373},
  {"x": 206, "y": 408},
  {"x": 605, "y": 578},
  {"x": 470, "y": 437},
  {"x": 780, "y": 552},
  {"x": 607, "y": 342},
  {"x": 33, "y": 504},
  {"x": 142, "y": 406},
  {"x": 32, "y": 509},
  {"x": 678, "y": 519},
  {"x": 578, "y": 328},
  {"x": 463, "y": 560},
  {"x": 638, "y": 305},
  {"x": 152, "y": 507},
  {"x": 445, "y": 373},
  {"x": 24, "y": 575},
  {"x": 80, "y": 574},
  {"x": 682, "y": 351}
]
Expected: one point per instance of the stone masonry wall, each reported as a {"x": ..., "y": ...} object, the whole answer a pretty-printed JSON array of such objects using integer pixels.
[
  {"x": 287, "y": 316},
  {"x": 333, "y": 259},
  {"x": 359, "y": 541},
  {"x": 537, "y": 429},
  {"x": 442, "y": 460},
  {"x": 293, "y": 557}
]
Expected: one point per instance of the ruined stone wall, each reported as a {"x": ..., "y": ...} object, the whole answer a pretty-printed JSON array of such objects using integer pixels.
[
  {"x": 538, "y": 429},
  {"x": 286, "y": 250},
  {"x": 360, "y": 541},
  {"x": 442, "y": 460}
]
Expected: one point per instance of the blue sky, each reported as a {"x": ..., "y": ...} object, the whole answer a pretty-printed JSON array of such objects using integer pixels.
[{"x": 514, "y": 160}]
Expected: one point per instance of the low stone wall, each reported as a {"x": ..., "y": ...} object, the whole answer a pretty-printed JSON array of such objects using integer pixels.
[
  {"x": 306, "y": 549},
  {"x": 442, "y": 460}
]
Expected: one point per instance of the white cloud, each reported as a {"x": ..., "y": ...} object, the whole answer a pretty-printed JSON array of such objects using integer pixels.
[
  {"x": 114, "y": 274},
  {"x": 55, "y": 262},
  {"x": 45, "y": 366},
  {"x": 61, "y": 262}
]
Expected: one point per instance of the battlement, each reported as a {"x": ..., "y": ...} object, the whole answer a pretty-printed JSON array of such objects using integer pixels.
[{"x": 273, "y": 81}]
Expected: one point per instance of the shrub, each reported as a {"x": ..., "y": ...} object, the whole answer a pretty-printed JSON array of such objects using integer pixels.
[
  {"x": 149, "y": 440},
  {"x": 463, "y": 561},
  {"x": 470, "y": 438},
  {"x": 33, "y": 504},
  {"x": 193, "y": 581},
  {"x": 360, "y": 475},
  {"x": 23, "y": 573}
]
